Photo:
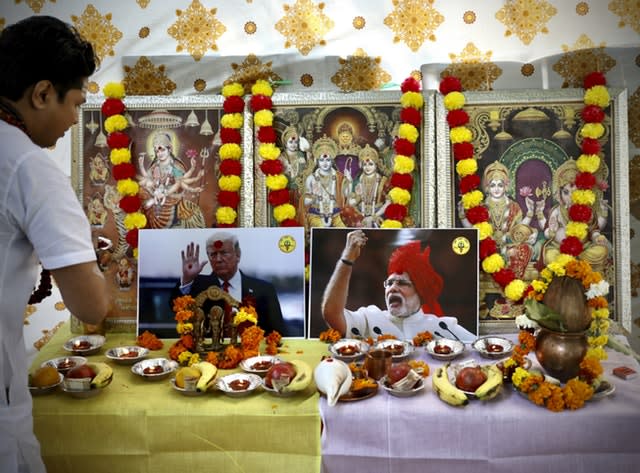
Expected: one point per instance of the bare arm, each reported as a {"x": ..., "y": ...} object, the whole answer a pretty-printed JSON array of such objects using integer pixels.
[
  {"x": 84, "y": 291},
  {"x": 335, "y": 294}
]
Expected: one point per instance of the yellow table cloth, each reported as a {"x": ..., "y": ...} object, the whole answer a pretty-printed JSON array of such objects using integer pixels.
[{"x": 142, "y": 426}]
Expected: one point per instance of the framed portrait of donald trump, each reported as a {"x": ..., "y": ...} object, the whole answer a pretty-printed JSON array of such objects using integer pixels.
[{"x": 400, "y": 282}]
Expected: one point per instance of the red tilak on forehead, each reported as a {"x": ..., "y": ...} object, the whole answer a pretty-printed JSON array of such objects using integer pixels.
[{"x": 217, "y": 244}]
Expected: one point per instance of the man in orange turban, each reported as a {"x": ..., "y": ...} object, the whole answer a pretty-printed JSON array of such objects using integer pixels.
[{"x": 412, "y": 289}]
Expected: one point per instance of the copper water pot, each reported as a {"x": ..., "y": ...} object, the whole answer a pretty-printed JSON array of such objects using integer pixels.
[{"x": 560, "y": 353}]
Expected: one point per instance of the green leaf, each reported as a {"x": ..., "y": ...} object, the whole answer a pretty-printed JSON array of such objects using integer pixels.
[{"x": 546, "y": 317}]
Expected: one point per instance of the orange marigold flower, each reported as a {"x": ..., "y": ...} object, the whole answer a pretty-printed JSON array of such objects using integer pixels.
[
  {"x": 274, "y": 338},
  {"x": 188, "y": 341},
  {"x": 331, "y": 336},
  {"x": 175, "y": 350},
  {"x": 183, "y": 315},
  {"x": 212, "y": 357},
  {"x": 183, "y": 303},
  {"x": 271, "y": 349},
  {"x": 387, "y": 336},
  {"x": 598, "y": 302},
  {"x": 148, "y": 340},
  {"x": 422, "y": 338},
  {"x": 231, "y": 357}
]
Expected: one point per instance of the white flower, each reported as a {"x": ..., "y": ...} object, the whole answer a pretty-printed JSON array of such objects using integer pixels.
[
  {"x": 598, "y": 289},
  {"x": 524, "y": 322}
]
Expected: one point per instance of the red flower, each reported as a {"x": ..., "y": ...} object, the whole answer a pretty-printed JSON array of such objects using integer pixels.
[
  {"x": 132, "y": 237},
  {"x": 404, "y": 147},
  {"x": 396, "y": 212},
  {"x": 230, "y": 135},
  {"x": 592, "y": 114},
  {"x": 118, "y": 139},
  {"x": 266, "y": 134},
  {"x": 261, "y": 102},
  {"x": 450, "y": 84},
  {"x": 504, "y": 276},
  {"x": 130, "y": 203},
  {"x": 410, "y": 84},
  {"x": 112, "y": 106},
  {"x": 457, "y": 118},
  {"x": 411, "y": 115},
  {"x": 477, "y": 214},
  {"x": 225, "y": 225},
  {"x": 469, "y": 183},
  {"x": 585, "y": 180},
  {"x": 580, "y": 213},
  {"x": 487, "y": 248},
  {"x": 403, "y": 181},
  {"x": 233, "y": 104},
  {"x": 230, "y": 167},
  {"x": 278, "y": 197},
  {"x": 463, "y": 150},
  {"x": 271, "y": 167},
  {"x": 571, "y": 246},
  {"x": 590, "y": 146},
  {"x": 289, "y": 222},
  {"x": 123, "y": 171},
  {"x": 593, "y": 79},
  {"x": 229, "y": 199}
]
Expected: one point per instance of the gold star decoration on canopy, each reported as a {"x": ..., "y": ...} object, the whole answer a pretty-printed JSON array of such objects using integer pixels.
[
  {"x": 628, "y": 11},
  {"x": 526, "y": 18},
  {"x": 580, "y": 60},
  {"x": 304, "y": 25},
  {"x": 250, "y": 71},
  {"x": 196, "y": 30},
  {"x": 413, "y": 21},
  {"x": 99, "y": 30},
  {"x": 144, "y": 78},
  {"x": 35, "y": 5},
  {"x": 474, "y": 69},
  {"x": 360, "y": 72}
]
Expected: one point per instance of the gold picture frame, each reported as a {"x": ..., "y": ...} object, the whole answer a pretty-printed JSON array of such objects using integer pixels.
[
  {"x": 179, "y": 192},
  {"x": 532, "y": 137}
]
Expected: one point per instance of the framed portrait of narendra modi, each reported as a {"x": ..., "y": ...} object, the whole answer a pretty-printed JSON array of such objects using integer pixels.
[
  {"x": 174, "y": 143},
  {"x": 526, "y": 145}
]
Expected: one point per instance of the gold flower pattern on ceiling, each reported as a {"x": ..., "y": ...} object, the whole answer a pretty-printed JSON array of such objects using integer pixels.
[
  {"x": 143, "y": 3},
  {"x": 526, "y": 18},
  {"x": 98, "y": 30},
  {"x": 35, "y": 5},
  {"x": 304, "y": 25},
  {"x": 144, "y": 78},
  {"x": 474, "y": 69},
  {"x": 360, "y": 72},
  {"x": 196, "y": 30},
  {"x": 634, "y": 118},
  {"x": 413, "y": 21},
  {"x": 628, "y": 11},
  {"x": 581, "y": 59},
  {"x": 250, "y": 71}
]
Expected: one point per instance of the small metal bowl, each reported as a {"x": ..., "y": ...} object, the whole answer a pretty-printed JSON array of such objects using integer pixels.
[
  {"x": 224, "y": 384},
  {"x": 493, "y": 347},
  {"x": 65, "y": 363},
  {"x": 455, "y": 348},
  {"x": 127, "y": 355},
  {"x": 420, "y": 385},
  {"x": 349, "y": 349},
  {"x": 166, "y": 368},
  {"x": 74, "y": 346},
  {"x": 399, "y": 349},
  {"x": 185, "y": 392},
  {"x": 259, "y": 364},
  {"x": 37, "y": 391}
]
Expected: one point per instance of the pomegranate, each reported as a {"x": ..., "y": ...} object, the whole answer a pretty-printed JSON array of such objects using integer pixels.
[
  {"x": 397, "y": 372},
  {"x": 280, "y": 372},
  {"x": 470, "y": 378},
  {"x": 82, "y": 371}
]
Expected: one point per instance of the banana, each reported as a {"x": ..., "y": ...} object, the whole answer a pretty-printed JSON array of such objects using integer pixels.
[
  {"x": 301, "y": 380},
  {"x": 446, "y": 390},
  {"x": 104, "y": 375},
  {"x": 491, "y": 387},
  {"x": 208, "y": 371}
]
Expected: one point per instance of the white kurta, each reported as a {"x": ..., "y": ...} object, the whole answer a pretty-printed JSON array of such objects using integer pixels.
[
  {"x": 40, "y": 220},
  {"x": 372, "y": 321}
]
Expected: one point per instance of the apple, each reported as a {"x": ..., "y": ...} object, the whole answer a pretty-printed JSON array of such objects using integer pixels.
[
  {"x": 470, "y": 378},
  {"x": 280, "y": 371},
  {"x": 82, "y": 371},
  {"x": 397, "y": 372}
]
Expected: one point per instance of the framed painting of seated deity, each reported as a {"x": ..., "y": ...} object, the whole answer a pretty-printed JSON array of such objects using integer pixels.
[
  {"x": 337, "y": 152},
  {"x": 527, "y": 145},
  {"x": 174, "y": 143}
]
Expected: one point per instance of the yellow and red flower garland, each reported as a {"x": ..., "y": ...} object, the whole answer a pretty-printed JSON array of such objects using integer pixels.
[
  {"x": 230, "y": 153},
  {"x": 404, "y": 159},
  {"x": 123, "y": 171},
  {"x": 277, "y": 183}
]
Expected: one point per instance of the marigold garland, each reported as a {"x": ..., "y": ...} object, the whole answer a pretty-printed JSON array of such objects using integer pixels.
[
  {"x": 404, "y": 160},
  {"x": 230, "y": 153},
  {"x": 271, "y": 166},
  {"x": 123, "y": 171}
]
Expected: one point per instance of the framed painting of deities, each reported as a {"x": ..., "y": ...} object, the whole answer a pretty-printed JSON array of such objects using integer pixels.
[
  {"x": 526, "y": 144},
  {"x": 337, "y": 152},
  {"x": 402, "y": 282},
  {"x": 174, "y": 148}
]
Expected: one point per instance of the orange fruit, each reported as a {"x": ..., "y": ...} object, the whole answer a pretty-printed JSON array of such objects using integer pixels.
[{"x": 44, "y": 376}]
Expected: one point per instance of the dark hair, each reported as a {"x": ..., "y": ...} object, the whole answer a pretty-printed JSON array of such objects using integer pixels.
[{"x": 43, "y": 48}]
